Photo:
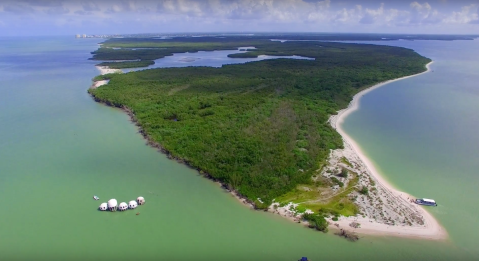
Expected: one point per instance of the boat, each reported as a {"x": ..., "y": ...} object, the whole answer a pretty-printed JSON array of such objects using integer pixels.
[
  {"x": 96, "y": 198},
  {"x": 426, "y": 202}
]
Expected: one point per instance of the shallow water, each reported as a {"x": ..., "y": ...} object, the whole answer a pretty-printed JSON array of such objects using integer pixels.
[
  {"x": 58, "y": 148},
  {"x": 422, "y": 134}
]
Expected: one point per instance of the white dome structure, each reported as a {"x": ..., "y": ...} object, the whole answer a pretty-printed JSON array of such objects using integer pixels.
[
  {"x": 112, "y": 204},
  {"x": 140, "y": 200},
  {"x": 132, "y": 204},
  {"x": 103, "y": 206},
  {"x": 123, "y": 206}
]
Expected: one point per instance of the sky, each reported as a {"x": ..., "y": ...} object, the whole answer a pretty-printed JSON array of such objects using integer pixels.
[{"x": 63, "y": 17}]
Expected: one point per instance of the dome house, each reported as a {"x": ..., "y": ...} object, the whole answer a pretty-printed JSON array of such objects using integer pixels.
[
  {"x": 123, "y": 206},
  {"x": 112, "y": 204},
  {"x": 132, "y": 204},
  {"x": 140, "y": 200},
  {"x": 103, "y": 206}
]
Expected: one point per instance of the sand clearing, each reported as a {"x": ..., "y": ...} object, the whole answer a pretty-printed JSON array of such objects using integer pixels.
[{"x": 104, "y": 70}]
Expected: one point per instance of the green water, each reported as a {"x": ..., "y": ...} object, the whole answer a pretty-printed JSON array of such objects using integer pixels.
[{"x": 58, "y": 148}]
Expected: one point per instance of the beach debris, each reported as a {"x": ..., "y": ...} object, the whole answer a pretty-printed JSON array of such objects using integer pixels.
[
  {"x": 112, "y": 204},
  {"x": 103, "y": 206},
  {"x": 351, "y": 236},
  {"x": 355, "y": 224},
  {"x": 138, "y": 213},
  {"x": 123, "y": 206},
  {"x": 96, "y": 197},
  {"x": 132, "y": 204}
]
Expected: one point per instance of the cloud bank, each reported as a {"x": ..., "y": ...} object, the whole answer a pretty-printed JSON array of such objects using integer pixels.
[{"x": 139, "y": 16}]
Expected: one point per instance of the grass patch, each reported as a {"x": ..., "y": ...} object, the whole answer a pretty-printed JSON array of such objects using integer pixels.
[
  {"x": 346, "y": 161},
  {"x": 333, "y": 203}
]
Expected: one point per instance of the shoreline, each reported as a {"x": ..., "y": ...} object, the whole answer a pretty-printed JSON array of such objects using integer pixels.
[
  {"x": 103, "y": 70},
  {"x": 431, "y": 229},
  {"x": 149, "y": 142}
]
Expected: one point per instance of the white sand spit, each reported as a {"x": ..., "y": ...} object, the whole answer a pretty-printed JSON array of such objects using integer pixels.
[
  {"x": 421, "y": 225},
  {"x": 104, "y": 70}
]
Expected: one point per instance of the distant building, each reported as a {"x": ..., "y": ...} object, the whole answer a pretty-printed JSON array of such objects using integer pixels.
[
  {"x": 84, "y": 35},
  {"x": 77, "y": 36}
]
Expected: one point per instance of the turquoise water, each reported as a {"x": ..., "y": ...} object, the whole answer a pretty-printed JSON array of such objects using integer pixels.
[
  {"x": 58, "y": 148},
  {"x": 422, "y": 133}
]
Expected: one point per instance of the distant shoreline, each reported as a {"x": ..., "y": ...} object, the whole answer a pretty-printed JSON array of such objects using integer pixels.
[{"x": 431, "y": 229}]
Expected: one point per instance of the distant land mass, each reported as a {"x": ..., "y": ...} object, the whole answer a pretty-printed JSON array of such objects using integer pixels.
[{"x": 297, "y": 36}]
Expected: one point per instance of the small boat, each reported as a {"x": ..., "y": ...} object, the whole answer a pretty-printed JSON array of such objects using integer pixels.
[
  {"x": 425, "y": 202},
  {"x": 96, "y": 198}
]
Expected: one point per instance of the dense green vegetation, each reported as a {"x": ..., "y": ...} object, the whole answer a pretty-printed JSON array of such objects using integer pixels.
[
  {"x": 152, "y": 49},
  {"x": 260, "y": 128},
  {"x": 317, "y": 221},
  {"x": 127, "y": 64}
]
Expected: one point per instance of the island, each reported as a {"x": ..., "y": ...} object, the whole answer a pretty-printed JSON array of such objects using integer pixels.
[{"x": 269, "y": 131}]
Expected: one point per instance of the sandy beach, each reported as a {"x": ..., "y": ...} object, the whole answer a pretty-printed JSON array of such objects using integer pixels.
[
  {"x": 431, "y": 229},
  {"x": 104, "y": 70},
  {"x": 384, "y": 210}
]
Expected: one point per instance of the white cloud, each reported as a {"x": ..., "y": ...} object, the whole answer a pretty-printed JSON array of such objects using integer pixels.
[
  {"x": 267, "y": 10},
  {"x": 349, "y": 16},
  {"x": 254, "y": 15},
  {"x": 468, "y": 14},
  {"x": 57, "y": 10},
  {"x": 424, "y": 14},
  {"x": 90, "y": 7},
  {"x": 42, "y": 3},
  {"x": 18, "y": 8}
]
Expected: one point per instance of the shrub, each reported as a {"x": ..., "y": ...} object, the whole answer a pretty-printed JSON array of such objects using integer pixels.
[
  {"x": 343, "y": 173},
  {"x": 363, "y": 190},
  {"x": 206, "y": 113},
  {"x": 317, "y": 221},
  {"x": 259, "y": 205},
  {"x": 336, "y": 181}
]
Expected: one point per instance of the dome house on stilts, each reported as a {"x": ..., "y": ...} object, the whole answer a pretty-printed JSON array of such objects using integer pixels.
[
  {"x": 132, "y": 204},
  {"x": 103, "y": 206},
  {"x": 123, "y": 206},
  {"x": 112, "y": 204}
]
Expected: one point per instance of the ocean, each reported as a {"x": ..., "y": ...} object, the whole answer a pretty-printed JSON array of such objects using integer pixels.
[{"x": 58, "y": 148}]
